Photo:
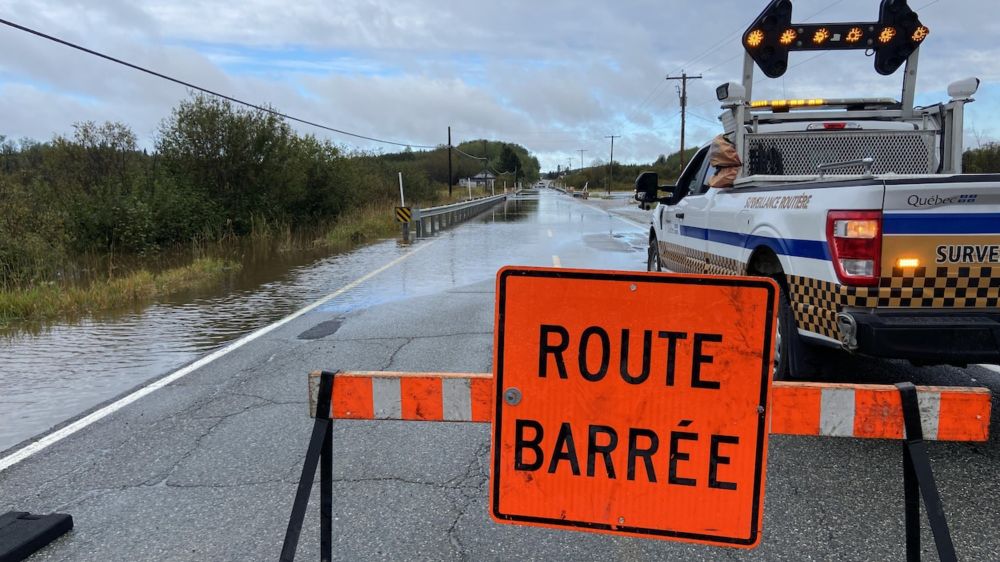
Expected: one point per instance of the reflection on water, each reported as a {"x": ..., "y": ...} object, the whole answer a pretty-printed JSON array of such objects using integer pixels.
[
  {"x": 79, "y": 365},
  {"x": 514, "y": 210},
  {"x": 65, "y": 369}
]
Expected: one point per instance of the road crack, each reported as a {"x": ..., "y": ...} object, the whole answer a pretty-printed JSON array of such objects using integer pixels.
[
  {"x": 462, "y": 507},
  {"x": 392, "y": 358}
]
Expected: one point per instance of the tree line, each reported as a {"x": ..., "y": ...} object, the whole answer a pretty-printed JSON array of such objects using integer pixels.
[
  {"x": 982, "y": 160},
  {"x": 215, "y": 170},
  {"x": 596, "y": 177}
]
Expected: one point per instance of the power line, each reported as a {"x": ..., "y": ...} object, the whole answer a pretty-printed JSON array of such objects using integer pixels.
[
  {"x": 810, "y": 59},
  {"x": 205, "y": 90},
  {"x": 649, "y": 97},
  {"x": 466, "y": 154},
  {"x": 739, "y": 31},
  {"x": 703, "y": 118},
  {"x": 823, "y": 53},
  {"x": 712, "y": 49},
  {"x": 683, "y": 78},
  {"x": 668, "y": 121},
  {"x": 611, "y": 163}
]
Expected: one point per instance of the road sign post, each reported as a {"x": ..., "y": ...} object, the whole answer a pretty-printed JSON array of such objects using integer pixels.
[
  {"x": 632, "y": 404},
  {"x": 404, "y": 215}
]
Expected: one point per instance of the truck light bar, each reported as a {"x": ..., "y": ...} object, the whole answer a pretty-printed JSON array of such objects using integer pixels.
[
  {"x": 772, "y": 104},
  {"x": 785, "y": 105}
]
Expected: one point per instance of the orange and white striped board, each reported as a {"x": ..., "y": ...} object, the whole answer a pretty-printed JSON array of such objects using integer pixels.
[{"x": 816, "y": 409}]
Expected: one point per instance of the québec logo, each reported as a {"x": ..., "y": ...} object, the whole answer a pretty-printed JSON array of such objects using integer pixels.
[{"x": 937, "y": 200}]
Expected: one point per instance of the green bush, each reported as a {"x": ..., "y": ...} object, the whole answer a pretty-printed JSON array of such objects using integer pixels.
[
  {"x": 983, "y": 160},
  {"x": 32, "y": 235},
  {"x": 217, "y": 170}
]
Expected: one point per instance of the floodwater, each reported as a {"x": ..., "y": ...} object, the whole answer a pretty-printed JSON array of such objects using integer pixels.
[{"x": 58, "y": 372}]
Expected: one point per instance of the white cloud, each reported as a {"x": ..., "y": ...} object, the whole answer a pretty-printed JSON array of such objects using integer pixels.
[{"x": 555, "y": 76}]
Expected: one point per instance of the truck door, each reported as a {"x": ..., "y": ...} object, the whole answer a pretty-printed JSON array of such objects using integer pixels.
[{"x": 684, "y": 223}]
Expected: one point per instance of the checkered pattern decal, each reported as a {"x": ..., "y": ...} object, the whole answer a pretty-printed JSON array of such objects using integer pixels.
[
  {"x": 674, "y": 254},
  {"x": 940, "y": 287},
  {"x": 817, "y": 302},
  {"x": 719, "y": 265},
  {"x": 714, "y": 265}
]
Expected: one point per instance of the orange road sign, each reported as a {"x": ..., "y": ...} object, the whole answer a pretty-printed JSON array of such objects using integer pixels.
[{"x": 632, "y": 403}]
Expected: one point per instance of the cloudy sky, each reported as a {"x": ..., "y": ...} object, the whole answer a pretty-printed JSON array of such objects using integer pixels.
[{"x": 554, "y": 75}]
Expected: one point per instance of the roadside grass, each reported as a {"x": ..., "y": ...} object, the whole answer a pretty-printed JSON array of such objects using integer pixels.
[
  {"x": 362, "y": 225},
  {"x": 55, "y": 300},
  {"x": 49, "y": 301}
]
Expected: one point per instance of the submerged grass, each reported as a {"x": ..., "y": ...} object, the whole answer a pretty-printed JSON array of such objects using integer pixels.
[
  {"x": 361, "y": 226},
  {"x": 49, "y": 301},
  {"x": 53, "y": 301}
]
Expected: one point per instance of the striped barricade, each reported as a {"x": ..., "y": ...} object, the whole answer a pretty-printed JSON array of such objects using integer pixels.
[
  {"x": 811, "y": 409},
  {"x": 818, "y": 409}
]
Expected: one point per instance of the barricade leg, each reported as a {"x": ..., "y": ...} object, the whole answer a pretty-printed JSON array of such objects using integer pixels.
[
  {"x": 911, "y": 505},
  {"x": 319, "y": 451},
  {"x": 917, "y": 475},
  {"x": 326, "y": 496}
]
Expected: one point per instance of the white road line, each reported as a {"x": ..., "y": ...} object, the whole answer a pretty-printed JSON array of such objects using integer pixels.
[
  {"x": 550, "y": 232},
  {"x": 994, "y": 368},
  {"x": 630, "y": 221},
  {"x": 556, "y": 262},
  {"x": 56, "y": 436}
]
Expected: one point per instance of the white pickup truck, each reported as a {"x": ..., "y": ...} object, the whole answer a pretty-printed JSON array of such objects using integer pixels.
[{"x": 858, "y": 208}]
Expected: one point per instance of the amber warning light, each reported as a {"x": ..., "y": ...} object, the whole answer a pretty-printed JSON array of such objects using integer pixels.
[
  {"x": 893, "y": 38},
  {"x": 622, "y": 409}
]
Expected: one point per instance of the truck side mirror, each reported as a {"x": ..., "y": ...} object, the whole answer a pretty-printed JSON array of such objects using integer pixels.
[
  {"x": 646, "y": 187},
  {"x": 647, "y": 190}
]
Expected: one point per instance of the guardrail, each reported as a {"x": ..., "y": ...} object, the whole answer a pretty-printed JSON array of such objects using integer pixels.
[{"x": 431, "y": 220}]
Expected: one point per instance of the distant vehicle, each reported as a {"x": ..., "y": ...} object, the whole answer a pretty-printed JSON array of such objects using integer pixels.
[{"x": 858, "y": 208}]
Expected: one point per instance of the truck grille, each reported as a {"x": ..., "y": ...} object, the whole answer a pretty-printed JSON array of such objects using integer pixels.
[{"x": 800, "y": 153}]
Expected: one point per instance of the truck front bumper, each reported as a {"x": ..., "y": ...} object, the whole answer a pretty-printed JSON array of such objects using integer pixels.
[{"x": 958, "y": 337}]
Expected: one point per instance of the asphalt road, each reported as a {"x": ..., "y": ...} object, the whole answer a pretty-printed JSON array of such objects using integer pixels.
[{"x": 206, "y": 468}]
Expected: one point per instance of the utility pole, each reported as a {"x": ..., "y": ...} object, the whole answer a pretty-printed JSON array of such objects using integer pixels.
[
  {"x": 581, "y": 151},
  {"x": 684, "y": 98},
  {"x": 611, "y": 166},
  {"x": 486, "y": 163},
  {"x": 449, "y": 164}
]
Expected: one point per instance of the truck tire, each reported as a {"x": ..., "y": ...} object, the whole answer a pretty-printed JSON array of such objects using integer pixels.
[
  {"x": 653, "y": 255},
  {"x": 791, "y": 355}
]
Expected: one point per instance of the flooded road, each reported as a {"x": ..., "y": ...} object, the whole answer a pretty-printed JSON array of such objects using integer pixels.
[{"x": 67, "y": 369}]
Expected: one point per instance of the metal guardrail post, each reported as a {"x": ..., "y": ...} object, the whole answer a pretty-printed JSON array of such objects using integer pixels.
[{"x": 431, "y": 220}]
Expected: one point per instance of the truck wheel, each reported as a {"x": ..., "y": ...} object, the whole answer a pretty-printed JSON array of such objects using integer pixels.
[
  {"x": 787, "y": 347},
  {"x": 653, "y": 257},
  {"x": 791, "y": 354}
]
